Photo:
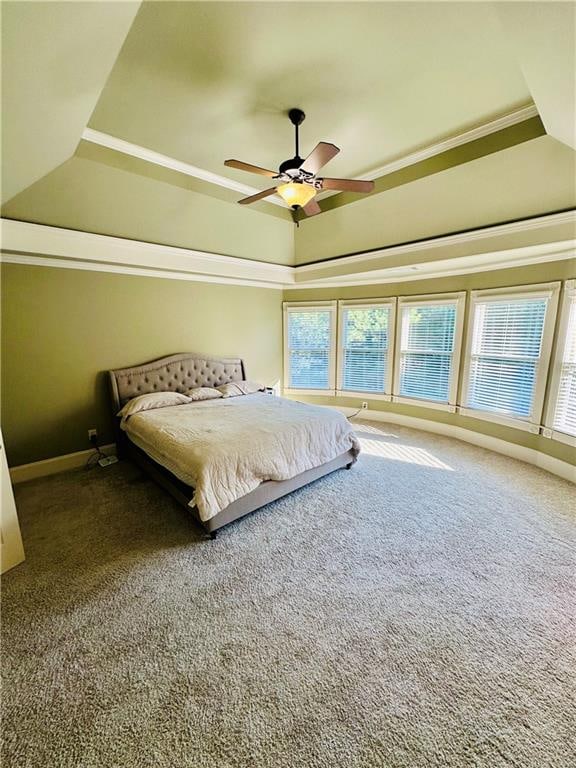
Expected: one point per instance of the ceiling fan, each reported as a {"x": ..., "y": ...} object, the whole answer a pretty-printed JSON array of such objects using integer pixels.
[{"x": 299, "y": 182}]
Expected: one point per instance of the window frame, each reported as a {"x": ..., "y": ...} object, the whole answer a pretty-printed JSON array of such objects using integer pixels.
[
  {"x": 344, "y": 304},
  {"x": 555, "y": 371},
  {"x": 459, "y": 299},
  {"x": 295, "y": 306},
  {"x": 541, "y": 290}
]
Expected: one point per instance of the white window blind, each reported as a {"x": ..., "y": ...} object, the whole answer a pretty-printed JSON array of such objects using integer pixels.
[
  {"x": 427, "y": 334},
  {"x": 365, "y": 348},
  {"x": 309, "y": 337},
  {"x": 565, "y": 407},
  {"x": 505, "y": 355}
]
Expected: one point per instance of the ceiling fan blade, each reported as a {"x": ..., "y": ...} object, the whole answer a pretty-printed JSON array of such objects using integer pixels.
[
  {"x": 322, "y": 153},
  {"x": 258, "y": 196},
  {"x": 312, "y": 208},
  {"x": 348, "y": 185},
  {"x": 250, "y": 168}
]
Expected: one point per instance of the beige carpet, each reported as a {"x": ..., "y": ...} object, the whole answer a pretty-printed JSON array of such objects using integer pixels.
[{"x": 415, "y": 612}]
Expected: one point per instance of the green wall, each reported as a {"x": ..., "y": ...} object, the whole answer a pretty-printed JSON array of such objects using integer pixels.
[
  {"x": 541, "y": 273},
  {"x": 62, "y": 328}
]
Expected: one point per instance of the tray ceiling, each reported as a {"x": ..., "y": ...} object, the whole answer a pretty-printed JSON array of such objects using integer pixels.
[
  {"x": 202, "y": 82},
  {"x": 423, "y": 96}
]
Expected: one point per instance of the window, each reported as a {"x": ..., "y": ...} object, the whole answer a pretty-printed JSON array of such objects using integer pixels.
[
  {"x": 429, "y": 341},
  {"x": 561, "y": 417},
  {"x": 508, "y": 351},
  {"x": 309, "y": 347},
  {"x": 366, "y": 340}
]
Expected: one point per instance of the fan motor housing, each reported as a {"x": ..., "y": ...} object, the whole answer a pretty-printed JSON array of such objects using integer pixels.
[{"x": 292, "y": 164}]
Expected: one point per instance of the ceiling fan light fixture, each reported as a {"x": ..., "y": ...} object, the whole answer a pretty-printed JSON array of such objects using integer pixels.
[
  {"x": 301, "y": 176},
  {"x": 296, "y": 194}
]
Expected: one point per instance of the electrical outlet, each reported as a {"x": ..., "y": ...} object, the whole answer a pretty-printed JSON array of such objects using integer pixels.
[
  {"x": 92, "y": 435},
  {"x": 364, "y": 405}
]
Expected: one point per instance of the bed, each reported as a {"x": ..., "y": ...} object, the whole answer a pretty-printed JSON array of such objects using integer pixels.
[{"x": 259, "y": 447}]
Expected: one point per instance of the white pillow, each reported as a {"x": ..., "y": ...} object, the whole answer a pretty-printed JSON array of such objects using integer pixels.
[
  {"x": 153, "y": 400},
  {"x": 203, "y": 393},
  {"x": 235, "y": 388}
]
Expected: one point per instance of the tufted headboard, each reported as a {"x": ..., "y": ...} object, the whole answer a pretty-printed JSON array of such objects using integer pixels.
[{"x": 175, "y": 373}]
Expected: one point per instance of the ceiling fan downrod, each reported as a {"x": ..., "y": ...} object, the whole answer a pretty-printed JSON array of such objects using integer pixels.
[{"x": 297, "y": 117}]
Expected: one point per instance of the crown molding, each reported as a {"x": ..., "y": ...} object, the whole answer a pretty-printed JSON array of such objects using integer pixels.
[
  {"x": 156, "y": 158},
  {"x": 472, "y": 236},
  {"x": 150, "y": 156},
  {"x": 121, "y": 269},
  {"x": 26, "y": 243},
  {"x": 40, "y": 245},
  {"x": 464, "y": 265},
  {"x": 485, "y": 129}
]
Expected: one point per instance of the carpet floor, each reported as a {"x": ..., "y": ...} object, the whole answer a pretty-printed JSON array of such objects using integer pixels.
[{"x": 417, "y": 611}]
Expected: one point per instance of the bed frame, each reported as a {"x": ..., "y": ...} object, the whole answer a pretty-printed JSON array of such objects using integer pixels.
[{"x": 177, "y": 373}]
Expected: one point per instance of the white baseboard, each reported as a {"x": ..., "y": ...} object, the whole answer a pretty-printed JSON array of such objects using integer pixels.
[
  {"x": 56, "y": 464},
  {"x": 542, "y": 460}
]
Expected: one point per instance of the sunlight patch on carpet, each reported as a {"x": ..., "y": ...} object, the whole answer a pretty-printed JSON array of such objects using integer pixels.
[{"x": 399, "y": 452}]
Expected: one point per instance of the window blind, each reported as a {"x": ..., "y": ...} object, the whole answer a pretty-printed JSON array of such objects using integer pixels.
[
  {"x": 365, "y": 348},
  {"x": 565, "y": 411},
  {"x": 505, "y": 354},
  {"x": 309, "y": 347},
  {"x": 426, "y": 350}
]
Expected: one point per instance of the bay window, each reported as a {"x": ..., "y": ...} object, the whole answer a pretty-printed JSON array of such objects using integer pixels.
[
  {"x": 366, "y": 343},
  {"x": 508, "y": 351},
  {"x": 561, "y": 415},
  {"x": 310, "y": 347},
  {"x": 429, "y": 338}
]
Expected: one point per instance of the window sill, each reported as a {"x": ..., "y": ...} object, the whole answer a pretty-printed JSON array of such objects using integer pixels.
[
  {"x": 318, "y": 392},
  {"x": 424, "y": 403},
  {"x": 505, "y": 421},
  {"x": 560, "y": 437},
  {"x": 363, "y": 395}
]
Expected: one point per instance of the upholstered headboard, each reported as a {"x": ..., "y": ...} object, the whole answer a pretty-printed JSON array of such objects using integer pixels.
[{"x": 175, "y": 373}]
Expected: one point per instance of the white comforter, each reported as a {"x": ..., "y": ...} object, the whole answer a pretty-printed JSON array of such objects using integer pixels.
[{"x": 226, "y": 448}]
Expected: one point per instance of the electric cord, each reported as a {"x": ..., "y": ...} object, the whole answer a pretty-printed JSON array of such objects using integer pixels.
[
  {"x": 95, "y": 456},
  {"x": 353, "y": 415}
]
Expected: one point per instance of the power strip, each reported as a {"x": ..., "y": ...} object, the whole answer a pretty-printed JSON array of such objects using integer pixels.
[{"x": 107, "y": 460}]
